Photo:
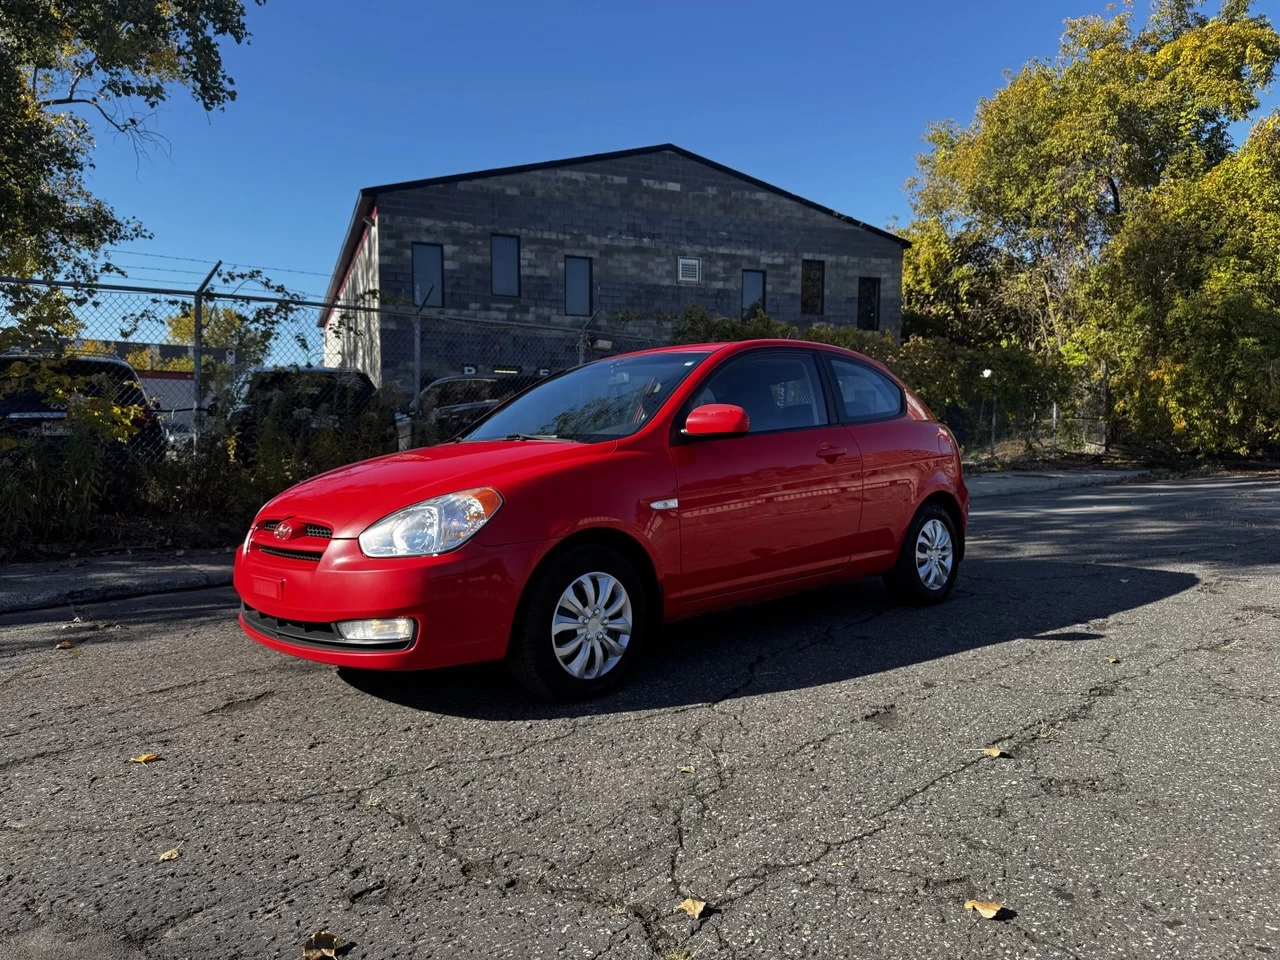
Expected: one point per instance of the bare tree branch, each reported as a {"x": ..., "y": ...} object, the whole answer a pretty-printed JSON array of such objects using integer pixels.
[
  {"x": 85, "y": 69},
  {"x": 128, "y": 126}
]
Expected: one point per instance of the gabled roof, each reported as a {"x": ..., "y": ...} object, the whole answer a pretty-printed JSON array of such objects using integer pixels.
[{"x": 366, "y": 202}]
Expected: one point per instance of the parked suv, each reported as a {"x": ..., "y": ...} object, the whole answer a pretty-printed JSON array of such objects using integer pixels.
[
  {"x": 26, "y": 413},
  {"x": 448, "y": 406},
  {"x": 303, "y": 401}
]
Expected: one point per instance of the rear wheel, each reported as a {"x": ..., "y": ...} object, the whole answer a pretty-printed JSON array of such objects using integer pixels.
[
  {"x": 585, "y": 614},
  {"x": 929, "y": 559}
]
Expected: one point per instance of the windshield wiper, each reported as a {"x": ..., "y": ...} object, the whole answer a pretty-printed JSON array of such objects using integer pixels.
[{"x": 531, "y": 436}]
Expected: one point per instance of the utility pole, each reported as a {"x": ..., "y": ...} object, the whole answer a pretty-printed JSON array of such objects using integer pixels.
[{"x": 197, "y": 353}]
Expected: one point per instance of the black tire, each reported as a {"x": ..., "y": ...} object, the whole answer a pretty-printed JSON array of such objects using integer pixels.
[
  {"x": 905, "y": 581},
  {"x": 531, "y": 656}
]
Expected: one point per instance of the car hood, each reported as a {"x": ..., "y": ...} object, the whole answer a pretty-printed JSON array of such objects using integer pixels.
[{"x": 350, "y": 498}]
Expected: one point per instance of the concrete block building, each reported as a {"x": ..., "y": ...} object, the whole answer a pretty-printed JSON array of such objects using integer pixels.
[{"x": 500, "y": 270}]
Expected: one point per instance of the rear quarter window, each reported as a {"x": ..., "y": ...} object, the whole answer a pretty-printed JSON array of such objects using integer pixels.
[{"x": 865, "y": 393}]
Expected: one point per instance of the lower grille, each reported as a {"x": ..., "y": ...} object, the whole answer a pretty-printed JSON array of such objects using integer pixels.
[
  {"x": 310, "y": 555},
  {"x": 309, "y": 634}
]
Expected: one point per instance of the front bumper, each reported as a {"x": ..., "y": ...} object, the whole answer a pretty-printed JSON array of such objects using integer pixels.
[{"x": 462, "y": 603}]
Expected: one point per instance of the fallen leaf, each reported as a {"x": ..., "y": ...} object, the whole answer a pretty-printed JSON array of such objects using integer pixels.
[
  {"x": 173, "y": 854},
  {"x": 320, "y": 945},
  {"x": 987, "y": 909},
  {"x": 688, "y": 769},
  {"x": 64, "y": 645},
  {"x": 145, "y": 758},
  {"x": 692, "y": 907},
  {"x": 992, "y": 752},
  {"x": 1113, "y": 659}
]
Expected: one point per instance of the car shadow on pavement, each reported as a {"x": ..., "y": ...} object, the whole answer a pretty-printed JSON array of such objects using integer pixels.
[{"x": 827, "y": 636}]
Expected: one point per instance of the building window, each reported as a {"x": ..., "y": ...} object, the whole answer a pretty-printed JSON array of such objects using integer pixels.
[
  {"x": 812, "y": 282},
  {"x": 688, "y": 270},
  {"x": 504, "y": 265},
  {"x": 752, "y": 292},
  {"x": 868, "y": 303},
  {"x": 428, "y": 275},
  {"x": 577, "y": 286}
]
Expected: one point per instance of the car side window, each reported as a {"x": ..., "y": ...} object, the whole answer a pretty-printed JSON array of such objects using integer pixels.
[
  {"x": 864, "y": 393},
  {"x": 779, "y": 391}
]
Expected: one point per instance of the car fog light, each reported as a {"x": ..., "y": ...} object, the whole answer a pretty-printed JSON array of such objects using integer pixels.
[{"x": 375, "y": 631}]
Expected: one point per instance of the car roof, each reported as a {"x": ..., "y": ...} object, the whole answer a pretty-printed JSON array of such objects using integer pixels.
[
  {"x": 737, "y": 346},
  {"x": 78, "y": 357},
  {"x": 297, "y": 368}
]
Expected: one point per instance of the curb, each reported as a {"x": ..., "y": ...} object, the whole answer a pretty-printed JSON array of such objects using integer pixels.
[
  {"x": 176, "y": 582},
  {"x": 1046, "y": 484}
]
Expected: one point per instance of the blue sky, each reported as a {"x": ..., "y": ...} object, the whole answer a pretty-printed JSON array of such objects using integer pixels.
[{"x": 828, "y": 100}]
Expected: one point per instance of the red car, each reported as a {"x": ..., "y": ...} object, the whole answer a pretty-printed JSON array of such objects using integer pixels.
[{"x": 562, "y": 530}]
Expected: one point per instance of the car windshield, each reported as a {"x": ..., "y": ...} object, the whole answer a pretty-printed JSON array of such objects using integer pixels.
[{"x": 602, "y": 401}]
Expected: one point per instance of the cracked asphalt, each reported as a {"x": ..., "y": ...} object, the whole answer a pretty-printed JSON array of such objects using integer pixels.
[{"x": 810, "y": 768}]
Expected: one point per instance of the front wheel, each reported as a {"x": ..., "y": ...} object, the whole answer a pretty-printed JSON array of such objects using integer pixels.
[
  {"x": 929, "y": 559},
  {"x": 584, "y": 617}
]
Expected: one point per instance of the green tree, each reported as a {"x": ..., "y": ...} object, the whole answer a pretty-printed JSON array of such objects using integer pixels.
[
  {"x": 1045, "y": 175},
  {"x": 1188, "y": 306},
  {"x": 1098, "y": 208},
  {"x": 248, "y": 335},
  {"x": 64, "y": 68}
]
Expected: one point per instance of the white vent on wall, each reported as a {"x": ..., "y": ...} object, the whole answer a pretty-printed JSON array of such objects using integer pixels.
[{"x": 689, "y": 270}]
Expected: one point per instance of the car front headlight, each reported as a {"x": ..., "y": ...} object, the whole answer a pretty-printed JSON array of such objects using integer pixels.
[{"x": 433, "y": 526}]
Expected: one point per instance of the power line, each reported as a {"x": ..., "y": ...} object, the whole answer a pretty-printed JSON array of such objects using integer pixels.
[
  {"x": 151, "y": 268},
  {"x": 309, "y": 273},
  {"x": 248, "y": 266},
  {"x": 128, "y": 252}
]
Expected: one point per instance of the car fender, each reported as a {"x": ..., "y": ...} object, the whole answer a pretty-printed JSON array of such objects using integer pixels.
[
  {"x": 613, "y": 492},
  {"x": 941, "y": 482}
]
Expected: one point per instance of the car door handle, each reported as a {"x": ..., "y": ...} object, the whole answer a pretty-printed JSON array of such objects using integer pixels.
[{"x": 829, "y": 453}]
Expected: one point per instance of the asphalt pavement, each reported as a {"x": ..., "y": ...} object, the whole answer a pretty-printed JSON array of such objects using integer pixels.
[{"x": 812, "y": 769}]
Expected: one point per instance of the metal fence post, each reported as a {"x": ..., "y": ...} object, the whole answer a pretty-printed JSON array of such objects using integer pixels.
[
  {"x": 197, "y": 353},
  {"x": 417, "y": 360}
]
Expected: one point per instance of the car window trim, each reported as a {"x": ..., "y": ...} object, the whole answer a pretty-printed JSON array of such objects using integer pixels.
[
  {"x": 837, "y": 398},
  {"x": 679, "y": 437}
]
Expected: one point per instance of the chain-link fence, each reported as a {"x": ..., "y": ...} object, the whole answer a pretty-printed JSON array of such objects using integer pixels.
[
  {"x": 122, "y": 404},
  {"x": 135, "y": 402},
  {"x": 194, "y": 361},
  {"x": 988, "y": 430}
]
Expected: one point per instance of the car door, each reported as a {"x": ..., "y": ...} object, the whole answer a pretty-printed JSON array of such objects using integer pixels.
[
  {"x": 777, "y": 503},
  {"x": 898, "y": 452}
]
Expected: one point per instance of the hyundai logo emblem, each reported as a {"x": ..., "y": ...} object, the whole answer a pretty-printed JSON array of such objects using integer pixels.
[{"x": 284, "y": 530}]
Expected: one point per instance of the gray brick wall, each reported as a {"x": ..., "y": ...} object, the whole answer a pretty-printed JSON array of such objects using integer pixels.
[{"x": 633, "y": 216}]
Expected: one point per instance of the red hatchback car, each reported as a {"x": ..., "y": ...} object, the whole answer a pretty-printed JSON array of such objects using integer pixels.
[{"x": 561, "y": 531}]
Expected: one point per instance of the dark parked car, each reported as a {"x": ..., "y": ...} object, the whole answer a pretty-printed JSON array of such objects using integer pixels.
[
  {"x": 301, "y": 402},
  {"x": 448, "y": 406},
  {"x": 28, "y": 413}
]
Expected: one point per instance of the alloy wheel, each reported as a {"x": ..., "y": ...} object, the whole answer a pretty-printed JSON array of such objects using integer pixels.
[
  {"x": 935, "y": 554},
  {"x": 591, "y": 626}
]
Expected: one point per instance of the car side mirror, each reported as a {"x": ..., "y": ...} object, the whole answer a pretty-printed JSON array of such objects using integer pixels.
[{"x": 717, "y": 420}]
